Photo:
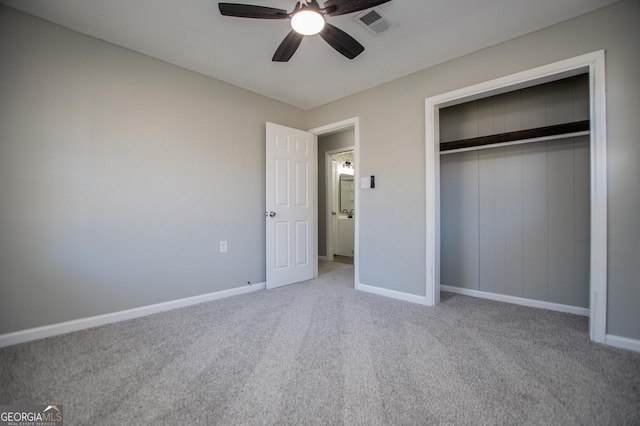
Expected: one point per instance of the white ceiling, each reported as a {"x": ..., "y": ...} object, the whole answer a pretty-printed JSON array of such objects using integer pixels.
[{"x": 192, "y": 34}]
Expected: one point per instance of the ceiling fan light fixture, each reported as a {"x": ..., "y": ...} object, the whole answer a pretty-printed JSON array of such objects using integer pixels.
[{"x": 307, "y": 22}]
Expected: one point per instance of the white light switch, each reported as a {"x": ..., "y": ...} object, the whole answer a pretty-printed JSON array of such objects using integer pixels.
[
  {"x": 223, "y": 246},
  {"x": 365, "y": 182}
]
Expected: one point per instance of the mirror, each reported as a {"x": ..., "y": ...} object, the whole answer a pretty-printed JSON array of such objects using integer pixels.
[{"x": 346, "y": 194}]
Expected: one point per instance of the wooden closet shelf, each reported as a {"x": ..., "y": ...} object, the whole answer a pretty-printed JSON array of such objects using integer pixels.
[{"x": 540, "y": 132}]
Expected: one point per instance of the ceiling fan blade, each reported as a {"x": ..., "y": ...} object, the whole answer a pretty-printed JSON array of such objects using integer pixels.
[
  {"x": 288, "y": 47},
  {"x": 341, "y": 41},
  {"x": 252, "y": 11},
  {"x": 342, "y": 7}
]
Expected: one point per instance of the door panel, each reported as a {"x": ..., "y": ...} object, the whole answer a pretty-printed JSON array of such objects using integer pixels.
[
  {"x": 290, "y": 204},
  {"x": 302, "y": 236},
  {"x": 302, "y": 184},
  {"x": 281, "y": 236},
  {"x": 281, "y": 197}
]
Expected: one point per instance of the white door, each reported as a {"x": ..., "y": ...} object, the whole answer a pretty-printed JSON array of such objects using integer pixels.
[{"x": 291, "y": 208}]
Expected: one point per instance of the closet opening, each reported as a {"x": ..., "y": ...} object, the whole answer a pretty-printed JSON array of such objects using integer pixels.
[
  {"x": 521, "y": 179},
  {"x": 514, "y": 196}
]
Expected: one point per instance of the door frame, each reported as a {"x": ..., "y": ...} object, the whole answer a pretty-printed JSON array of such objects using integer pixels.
[
  {"x": 350, "y": 123},
  {"x": 331, "y": 196},
  {"x": 591, "y": 63}
]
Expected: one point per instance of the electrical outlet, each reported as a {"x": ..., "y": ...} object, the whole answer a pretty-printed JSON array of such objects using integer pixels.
[{"x": 223, "y": 246}]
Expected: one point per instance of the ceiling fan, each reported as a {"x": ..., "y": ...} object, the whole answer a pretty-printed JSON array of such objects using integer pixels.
[{"x": 307, "y": 18}]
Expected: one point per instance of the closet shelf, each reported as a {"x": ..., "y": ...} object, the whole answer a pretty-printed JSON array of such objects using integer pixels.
[{"x": 540, "y": 133}]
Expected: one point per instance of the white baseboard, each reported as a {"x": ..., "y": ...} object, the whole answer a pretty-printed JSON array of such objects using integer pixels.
[
  {"x": 421, "y": 300},
  {"x": 517, "y": 300},
  {"x": 622, "y": 342},
  {"x": 83, "y": 323},
  {"x": 325, "y": 259}
]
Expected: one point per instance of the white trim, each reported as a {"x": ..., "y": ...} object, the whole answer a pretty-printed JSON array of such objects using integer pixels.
[
  {"x": 622, "y": 342},
  {"x": 325, "y": 259},
  {"x": 599, "y": 247},
  {"x": 393, "y": 294},
  {"x": 89, "y": 322},
  {"x": 336, "y": 127},
  {"x": 432, "y": 209},
  {"x": 594, "y": 63},
  {"x": 517, "y": 300}
]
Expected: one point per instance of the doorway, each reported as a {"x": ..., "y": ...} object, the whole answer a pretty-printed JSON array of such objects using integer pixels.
[
  {"x": 339, "y": 211},
  {"x": 350, "y": 135},
  {"x": 515, "y": 208}
]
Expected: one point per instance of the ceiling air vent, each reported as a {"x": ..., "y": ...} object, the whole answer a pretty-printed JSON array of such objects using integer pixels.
[{"x": 375, "y": 21}]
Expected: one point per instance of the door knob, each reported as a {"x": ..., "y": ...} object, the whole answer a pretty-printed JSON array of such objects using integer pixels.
[{"x": 272, "y": 214}]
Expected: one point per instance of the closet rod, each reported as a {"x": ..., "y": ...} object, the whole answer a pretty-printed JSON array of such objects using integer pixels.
[
  {"x": 520, "y": 142},
  {"x": 540, "y": 134}
]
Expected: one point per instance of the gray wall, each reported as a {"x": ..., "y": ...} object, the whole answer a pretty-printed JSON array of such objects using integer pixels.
[
  {"x": 328, "y": 143},
  {"x": 119, "y": 175},
  {"x": 392, "y": 238},
  {"x": 115, "y": 168}
]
